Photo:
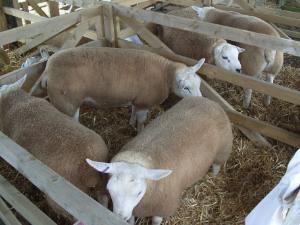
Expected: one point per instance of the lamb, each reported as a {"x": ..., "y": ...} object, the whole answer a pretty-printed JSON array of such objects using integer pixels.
[
  {"x": 186, "y": 140},
  {"x": 110, "y": 77},
  {"x": 254, "y": 60},
  {"x": 216, "y": 51},
  {"x": 54, "y": 138}
]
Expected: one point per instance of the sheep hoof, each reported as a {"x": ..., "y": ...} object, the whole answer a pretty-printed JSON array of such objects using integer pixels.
[
  {"x": 216, "y": 169},
  {"x": 267, "y": 100},
  {"x": 156, "y": 220}
]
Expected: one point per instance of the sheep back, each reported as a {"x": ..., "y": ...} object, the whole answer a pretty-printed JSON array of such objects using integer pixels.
[
  {"x": 187, "y": 139},
  {"x": 54, "y": 138},
  {"x": 110, "y": 76},
  {"x": 186, "y": 43}
]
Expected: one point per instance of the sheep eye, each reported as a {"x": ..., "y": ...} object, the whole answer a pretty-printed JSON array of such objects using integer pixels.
[
  {"x": 139, "y": 193},
  {"x": 224, "y": 57}
]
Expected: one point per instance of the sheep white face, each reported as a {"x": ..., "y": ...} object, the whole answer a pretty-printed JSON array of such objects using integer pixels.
[
  {"x": 187, "y": 82},
  {"x": 226, "y": 56},
  {"x": 127, "y": 184},
  {"x": 125, "y": 199}
]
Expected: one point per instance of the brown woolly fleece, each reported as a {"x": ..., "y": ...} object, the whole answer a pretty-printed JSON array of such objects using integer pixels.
[
  {"x": 110, "y": 77},
  {"x": 254, "y": 60},
  {"x": 54, "y": 138},
  {"x": 188, "y": 139},
  {"x": 189, "y": 44}
]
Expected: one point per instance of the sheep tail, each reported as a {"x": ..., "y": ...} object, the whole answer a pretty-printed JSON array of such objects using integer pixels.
[
  {"x": 44, "y": 80},
  {"x": 270, "y": 56}
]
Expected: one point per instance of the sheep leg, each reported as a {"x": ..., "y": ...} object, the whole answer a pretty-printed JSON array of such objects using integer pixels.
[
  {"x": 141, "y": 116},
  {"x": 267, "y": 99},
  {"x": 103, "y": 200},
  {"x": 133, "y": 118},
  {"x": 156, "y": 220},
  {"x": 248, "y": 93},
  {"x": 76, "y": 116},
  {"x": 247, "y": 97}
]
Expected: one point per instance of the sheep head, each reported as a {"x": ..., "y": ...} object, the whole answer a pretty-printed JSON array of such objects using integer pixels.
[
  {"x": 186, "y": 82},
  {"x": 226, "y": 56},
  {"x": 127, "y": 184}
]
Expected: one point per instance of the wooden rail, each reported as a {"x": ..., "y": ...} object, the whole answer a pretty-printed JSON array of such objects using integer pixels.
[
  {"x": 228, "y": 33},
  {"x": 268, "y": 17},
  {"x": 35, "y": 29},
  {"x": 77, "y": 203},
  {"x": 23, "y": 205}
]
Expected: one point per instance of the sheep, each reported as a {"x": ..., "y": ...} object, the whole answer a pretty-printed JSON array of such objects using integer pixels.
[
  {"x": 109, "y": 77},
  {"x": 254, "y": 60},
  {"x": 43, "y": 55},
  {"x": 186, "y": 140},
  {"x": 194, "y": 45},
  {"x": 54, "y": 138}
]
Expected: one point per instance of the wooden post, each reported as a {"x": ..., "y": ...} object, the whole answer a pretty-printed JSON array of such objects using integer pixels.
[
  {"x": 25, "y": 9},
  {"x": 110, "y": 31},
  {"x": 99, "y": 25},
  {"x": 53, "y": 8},
  {"x": 16, "y": 5},
  {"x": 3, "y": 22}
]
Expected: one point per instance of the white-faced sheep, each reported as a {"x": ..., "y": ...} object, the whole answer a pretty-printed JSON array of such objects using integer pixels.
[
  {"x": 194, "y": 45},
  {"x": 254, "y": 60},
  {"x": 54, "y": 138},
  {"x": 108, "y": 77},
  {"x": 186, "y": 140}
]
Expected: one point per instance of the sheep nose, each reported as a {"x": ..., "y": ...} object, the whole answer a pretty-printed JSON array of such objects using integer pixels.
[{"x": 238, "y": 70}]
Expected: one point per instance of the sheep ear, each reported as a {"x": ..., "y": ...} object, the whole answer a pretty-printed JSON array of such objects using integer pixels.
[
  {"x": 156, "y": 174},
  {"x": 240, "y": 50},
  {"x": 101, "y": 166},
  {"x": 196, "y": 67},
  {"x": 4, "y": 89},
  {"x": 199, "y": 11}
]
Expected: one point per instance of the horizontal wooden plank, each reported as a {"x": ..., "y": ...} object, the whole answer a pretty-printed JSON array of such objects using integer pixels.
[
  {"x": 24, "y": 15},
  {"x": 186, "y": 2},
  {"x": 291, "y": 33},
  {"x": 228, "y": 33},
  {"x": 245, "y": 81},
  {"x": 206, "y": 89},
  {"x": 77, "y": 203},
  {"x": 268, "y": 17},
  {"x": 23, "y": 205},
  {"x": 6, "y": 215},
  {"x": 52, "y": 31},
  {"x": 264, "y": 128},
  {"x": 35, "y": 29}
]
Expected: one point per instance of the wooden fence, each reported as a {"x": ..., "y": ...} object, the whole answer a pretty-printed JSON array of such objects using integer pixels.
[{"x": 102, "y": 22}]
